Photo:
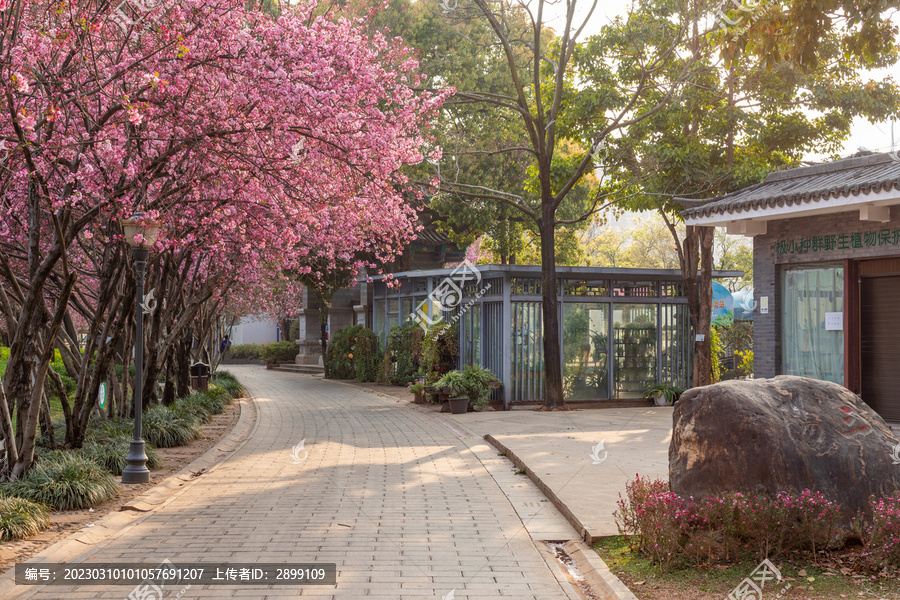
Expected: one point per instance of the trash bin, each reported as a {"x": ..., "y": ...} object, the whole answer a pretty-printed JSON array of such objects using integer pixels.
[{"x": 199, "y": 376}]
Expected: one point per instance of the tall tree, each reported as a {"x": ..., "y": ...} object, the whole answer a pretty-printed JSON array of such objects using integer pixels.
[
  {"x": 744, "y": 117},
  {"x": 251, "y": 138},
  {"x": 560, "y": 112}
]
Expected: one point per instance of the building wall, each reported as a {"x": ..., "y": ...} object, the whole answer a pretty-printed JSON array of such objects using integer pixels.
[
  {"x": 807, "y": 240},
  {"x": 255, "y": 330}
]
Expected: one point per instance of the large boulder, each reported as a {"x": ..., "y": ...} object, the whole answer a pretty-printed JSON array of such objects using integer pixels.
[{"x": 782, "y": 434}]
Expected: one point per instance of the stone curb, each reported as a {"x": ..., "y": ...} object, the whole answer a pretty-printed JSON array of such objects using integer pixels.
[
  {"x": 82, "y": 544},
  {"x": 589, "y": 563},
  {"x": 596, "y": 572},
  {"x": 588, "y": 535}
]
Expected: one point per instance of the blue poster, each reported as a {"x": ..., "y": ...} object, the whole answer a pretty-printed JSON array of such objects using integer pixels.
[{"x": 722, "y": 305}]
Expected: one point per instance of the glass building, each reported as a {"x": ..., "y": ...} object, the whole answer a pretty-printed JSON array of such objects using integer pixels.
[{"x": 621, "y": 330}]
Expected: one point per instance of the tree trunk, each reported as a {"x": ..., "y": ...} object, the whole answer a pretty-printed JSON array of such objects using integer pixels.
[
  {"x": 285, "y": 326},
  {"x": 703, "y": 350},
  {"x": 169, "y": 390},
  {"x": 697, "y": 256},
  {"x": 9, "y": 441},
  {"x": 46, "y": 423},
  {"x": 182, "y": 375},
  {"x": 323, "y": 328},
  {"x": 553, "y": 387}
]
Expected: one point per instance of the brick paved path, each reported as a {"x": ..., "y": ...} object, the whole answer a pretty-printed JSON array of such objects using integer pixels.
[{"x": 393, "y": 496}]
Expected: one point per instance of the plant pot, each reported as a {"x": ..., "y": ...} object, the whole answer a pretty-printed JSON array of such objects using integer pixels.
[
  {"x": 419, "y": 398},
  {"x": 659, "y": 399},
  {"x": 459, "y": 406}
]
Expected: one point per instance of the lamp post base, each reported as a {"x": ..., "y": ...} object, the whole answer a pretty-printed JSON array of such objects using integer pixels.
[{"x": 136, "y": 471}]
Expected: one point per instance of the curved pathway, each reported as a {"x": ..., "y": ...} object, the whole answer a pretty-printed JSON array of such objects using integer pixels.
[{"x": 394, "y": 496}]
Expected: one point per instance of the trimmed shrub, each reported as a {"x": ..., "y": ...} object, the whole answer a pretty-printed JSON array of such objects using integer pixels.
[
  {"x": 166, "y": 428},
  {"x": 279, "y": 351},
  {"x": 21, "y": 518},
  {"x": 246, "y": 351},
  {"x": 64, "y": 480}
]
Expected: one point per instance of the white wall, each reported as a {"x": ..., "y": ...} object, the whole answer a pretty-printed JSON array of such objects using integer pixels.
[{"x": 254, "y": 330}]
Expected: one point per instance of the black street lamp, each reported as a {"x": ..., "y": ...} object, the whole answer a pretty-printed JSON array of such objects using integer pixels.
[{"x": 140, "y": 235}]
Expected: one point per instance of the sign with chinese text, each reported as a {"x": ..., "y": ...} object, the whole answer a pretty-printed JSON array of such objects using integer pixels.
[
  {"x": 722, "y": 305},
  {"x": 841, "y": 241}
]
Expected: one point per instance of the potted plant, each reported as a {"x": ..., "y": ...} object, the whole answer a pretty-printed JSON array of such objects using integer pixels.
[
  {"x": 418, "y": 391},
  {"x": 471, "y": 385},
  {"x": 663, "y": 394}
]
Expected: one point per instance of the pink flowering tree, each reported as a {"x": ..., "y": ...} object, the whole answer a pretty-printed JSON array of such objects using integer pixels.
[{"x": 252, "y": 139}]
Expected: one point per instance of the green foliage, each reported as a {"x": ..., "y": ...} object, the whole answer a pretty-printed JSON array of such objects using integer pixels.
[
  {"x": 339, "y": 354},
  {"x": 646, "y": 245},
  {"x": 57, "y": 365},
  {"x": 353, "y": 353},
  {"x": 21, "y": 518},
  {"x": 230, "y": 383},
  {"x": 195, "y": 406},
  {"x": 440, "y": 348},
  {"x": 401, "y": 360},
  {"x": 366, "y": 356},
  {"x": 473, "y": 382},
  {"x": 110, "y": 454},
  {"x": 276, "y": 351},
  {"x": 746, "y": 366},
  {"x": 279, "y": 352},
  {"x": 738, "y": 336},
  {"x": 167, "y": 428},
  {"x": 219, "y": 395},
  {"x": 64, "y": 480},
  {"x": 105, "y": 430},
  {"x": 717, "y": 349},
  {"x": 669, "y": 392},
  {"x": 246, "y": 351}
]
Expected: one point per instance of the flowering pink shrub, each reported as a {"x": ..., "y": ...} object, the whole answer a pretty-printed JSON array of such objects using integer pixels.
[
  {"x": 882, "y": 537},
  {"x": 672, "y": 531},
  {"x": 650, "y": 506}
]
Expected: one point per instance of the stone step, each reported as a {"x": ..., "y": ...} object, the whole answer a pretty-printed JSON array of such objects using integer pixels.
[{"x": 294, "y": 368}]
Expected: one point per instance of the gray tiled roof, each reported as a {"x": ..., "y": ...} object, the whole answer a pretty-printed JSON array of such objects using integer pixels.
[
  {"x": 430, "y": 237},
  {"x": 842, "y": 178}
]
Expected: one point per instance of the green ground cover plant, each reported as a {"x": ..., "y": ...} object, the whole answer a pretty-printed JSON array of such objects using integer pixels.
[
  {"x": 21, "y": 518},
  {"x": 67, "y": 479}
]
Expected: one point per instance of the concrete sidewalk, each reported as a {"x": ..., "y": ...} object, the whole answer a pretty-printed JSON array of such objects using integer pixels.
[{"x": 560, "y": 449}]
